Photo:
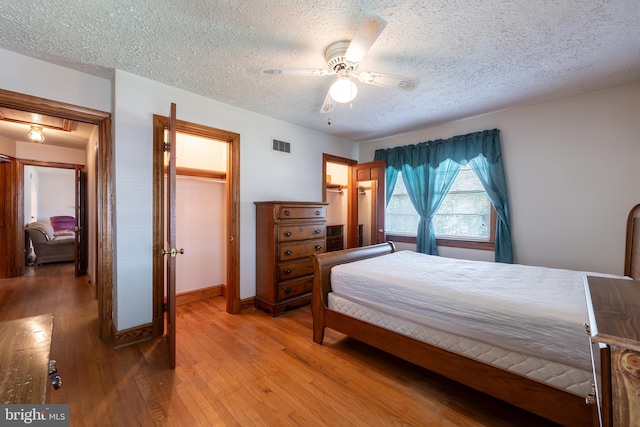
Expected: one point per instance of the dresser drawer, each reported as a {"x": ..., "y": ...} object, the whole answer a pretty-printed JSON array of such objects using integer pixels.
[
  {"x": 291, "y": 270},
  {"x": 295, "y": 250},
  {"x": 291, "y": 232},
  {"x": 285, "y": 212},
  {"x": 294, "y": 288}
]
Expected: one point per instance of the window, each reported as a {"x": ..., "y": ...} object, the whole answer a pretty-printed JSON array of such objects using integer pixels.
[{"x": 465, "y": 219}]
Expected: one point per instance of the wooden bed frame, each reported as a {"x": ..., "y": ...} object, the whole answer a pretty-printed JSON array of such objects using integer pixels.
[{"x": 549, "y": 402}]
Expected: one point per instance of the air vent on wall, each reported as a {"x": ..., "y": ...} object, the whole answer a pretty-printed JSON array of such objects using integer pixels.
[{"x": 278, "y": 145}]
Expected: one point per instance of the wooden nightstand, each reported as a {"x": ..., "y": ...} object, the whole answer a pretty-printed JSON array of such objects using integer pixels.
[{"x": 614, "y": 326}]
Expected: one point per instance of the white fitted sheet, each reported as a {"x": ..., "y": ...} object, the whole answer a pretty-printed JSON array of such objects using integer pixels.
[{"x": 534, "y": 311}]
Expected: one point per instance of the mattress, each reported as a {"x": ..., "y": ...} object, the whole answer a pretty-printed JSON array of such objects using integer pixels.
[
  {"x": 535, "y": 312},
  {"x": 574, "y": 380}
]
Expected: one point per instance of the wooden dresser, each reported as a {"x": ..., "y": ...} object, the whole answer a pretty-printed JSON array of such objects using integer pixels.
[
  {"x": 287, "y": 234},
  {"x": 614, "y": 326},
  {"x": 24, "y": 359},
  {"x": 335, "y": 240}
]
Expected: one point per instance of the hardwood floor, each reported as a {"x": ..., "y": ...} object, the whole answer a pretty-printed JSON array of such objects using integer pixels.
[{"x": 239, "y": 370}]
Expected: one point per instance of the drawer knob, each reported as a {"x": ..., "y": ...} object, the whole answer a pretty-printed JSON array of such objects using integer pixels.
[
  {"x": 287, "y": 213},
  {"x": 317, "y": 231},
  {"x": 318, "y": 247},
  {"x": 288, "y": 271},
  {"x": 288, "y": 291},
  {"x": 317, "y": 213},
  {"x": 287, "y": 234},
  {"x": 288, "y": 252}
]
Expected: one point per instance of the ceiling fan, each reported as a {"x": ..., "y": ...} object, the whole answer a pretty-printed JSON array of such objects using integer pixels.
[{"x": 343, "y": 59}]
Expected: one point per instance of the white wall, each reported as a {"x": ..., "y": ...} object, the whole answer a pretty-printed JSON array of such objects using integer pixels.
[
  {"x": 265, "y": 175},
  {"x": 572, "y": 175},
  {"x": 49, "y": 153},
  {"x": 56, "y": 193},
  {"x": 31, "y": 185},
  {"x": 19, "y": 73},
  {"x": 201, "y": 229},
  {"x": 338, "y": 199},
  {"x": 7, "y": 146}
]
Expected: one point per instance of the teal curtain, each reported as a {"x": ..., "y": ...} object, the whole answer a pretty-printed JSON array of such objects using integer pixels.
[
  {"x": 433, "y": 162},
  {"x": 492, "y": 179},
  {"x": 427, "y": 187}
]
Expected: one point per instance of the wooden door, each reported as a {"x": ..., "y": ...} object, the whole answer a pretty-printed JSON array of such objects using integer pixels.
[
  {"x": 373, "y": 172},
  {"x": 81, "y": 244},
  {"x": 171, "y": 238}
]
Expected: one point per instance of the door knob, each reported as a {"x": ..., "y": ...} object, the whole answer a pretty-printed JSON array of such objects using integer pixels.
[{"x": 173, "y": 252}]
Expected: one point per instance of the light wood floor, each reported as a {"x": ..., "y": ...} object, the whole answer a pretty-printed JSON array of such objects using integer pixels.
[{"x": 239, "y": 370}]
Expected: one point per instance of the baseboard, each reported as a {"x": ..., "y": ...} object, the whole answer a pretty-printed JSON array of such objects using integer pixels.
[
  {"x": 248, "y": 303},
  {"x": 132, "y": 335},
  {"x": 199, "y": 294}
]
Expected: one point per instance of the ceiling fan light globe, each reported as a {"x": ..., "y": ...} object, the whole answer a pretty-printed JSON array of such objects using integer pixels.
[{"x": 343, "y": 90}]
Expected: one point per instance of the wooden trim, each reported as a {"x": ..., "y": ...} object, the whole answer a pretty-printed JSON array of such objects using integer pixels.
[
  {"x": 198, "y": 294},
  {"x": 58, "y": 165},
  {"x": 200, "y": 173},
  {"x": 105, "y": 226},
  {"x": 132, "y": 335},
  {"x": 352, "y": 222},
  {"x": 12, "y": 224},
  {"x": 248, "y": 304},
  {"x": 466, "y": 244},
  {"x": 632, "y": 255}
]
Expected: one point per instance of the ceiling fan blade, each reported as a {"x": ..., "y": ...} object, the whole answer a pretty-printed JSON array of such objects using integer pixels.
[
  {"x": 367, "y": 33},
  {"x": 328, "y": 105},
  {"x": 295, "y": 71},
  {"x": 388, "y": 80}
]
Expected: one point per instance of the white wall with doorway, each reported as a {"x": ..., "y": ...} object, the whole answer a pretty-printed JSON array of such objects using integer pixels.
[
  {"x": 265, "y": 175},
  {"x": 132, "y": 101}
]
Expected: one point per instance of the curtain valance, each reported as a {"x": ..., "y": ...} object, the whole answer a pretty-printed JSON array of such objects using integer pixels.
[{"x": 460, "y": 149}]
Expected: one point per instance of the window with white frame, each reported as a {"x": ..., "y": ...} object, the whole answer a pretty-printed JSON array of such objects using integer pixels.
[{"x": 465, "y": 214}]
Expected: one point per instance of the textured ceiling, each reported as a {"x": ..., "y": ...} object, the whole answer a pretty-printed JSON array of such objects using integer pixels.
[{"x": 471, "y": 57}]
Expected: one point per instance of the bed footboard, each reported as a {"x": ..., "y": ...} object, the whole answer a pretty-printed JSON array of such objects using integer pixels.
[{"x": 322, "y": 264}]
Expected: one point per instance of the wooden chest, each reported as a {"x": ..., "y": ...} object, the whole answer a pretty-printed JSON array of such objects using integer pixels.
[{"x": 287, "y": 234}]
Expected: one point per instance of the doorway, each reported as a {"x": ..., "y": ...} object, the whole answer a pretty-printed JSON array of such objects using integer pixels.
[
  {"x": 363, "y": 195},
  {"x": 232, "y": 217},
  {"x": 12, "y": 235},
  {"x": 55, "y": 195}
]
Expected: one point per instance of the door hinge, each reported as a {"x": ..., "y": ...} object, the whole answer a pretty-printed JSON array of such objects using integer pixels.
[
  {"x": 166, "y": 147},
  {"x": 164, "y": 307}
]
